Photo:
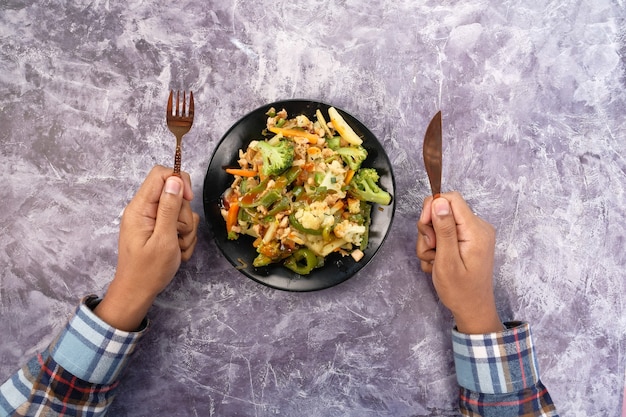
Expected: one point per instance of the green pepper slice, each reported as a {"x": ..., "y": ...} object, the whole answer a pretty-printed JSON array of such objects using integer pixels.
[
  {"x": 243, "y": 215},
  {"x": 298, "y": 226},
  {"x": 298, "y": 192},
  {"x": 243, "y": 186},
  {"x": 266, "y": 200},
  {"x": 302, "y": 261},
  {"x": 252, "y": 199},
  {"x": 262, "y": 260},
  {"x": 318, "y": 194},
  {"x": 281, "y": 205},
  {"x": 318, "y": 177},
  {"x": 291, "y": 174},
  {"x": 248, "y": 199}
]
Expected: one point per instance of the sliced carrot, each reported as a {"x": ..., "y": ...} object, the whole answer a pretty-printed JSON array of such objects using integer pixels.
[
  {"x": 313, "y": 151},
  {"x": 336, "y": 207},
  {"x": 295, "y": 133},
  {"x": 349, "y": 176},
  {"x": 242, "y": 172},
  {"x": 231, "y": 217}
]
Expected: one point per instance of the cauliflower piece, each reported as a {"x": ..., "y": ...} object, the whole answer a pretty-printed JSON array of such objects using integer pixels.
[
  {"x": 303, "y": 121},
  {"x": 350, "y": 232},
  {"x": 333, "y": 182},
  {"x": 315, "y": 216},
  {"x": 334, "y": 178},
  {"x": 332, "y": 199},
  {"x": 337, "y": 168},
  {"x": 308, "y": 219}
]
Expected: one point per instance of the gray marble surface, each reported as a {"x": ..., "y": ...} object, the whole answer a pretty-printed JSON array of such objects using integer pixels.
[{"x": 534, "y": 106}]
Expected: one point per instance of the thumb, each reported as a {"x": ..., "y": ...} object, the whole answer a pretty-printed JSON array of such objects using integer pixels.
[
  {"x": 170, "y": 205},
  {"x": 445, "y": 231}
]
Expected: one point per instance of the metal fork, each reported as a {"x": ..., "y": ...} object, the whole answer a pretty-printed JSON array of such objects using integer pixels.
[{"x": 179, "y": 123}]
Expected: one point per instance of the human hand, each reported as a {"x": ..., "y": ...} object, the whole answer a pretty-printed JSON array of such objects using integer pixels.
[
  {"x": 457, "y": 247},
  {"x": 157, "y": 232}
]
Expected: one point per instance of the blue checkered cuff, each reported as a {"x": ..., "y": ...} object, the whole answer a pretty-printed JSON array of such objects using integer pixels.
[
  {"x": 496, "y": 363},
  {"x": 91, "y": 349}
]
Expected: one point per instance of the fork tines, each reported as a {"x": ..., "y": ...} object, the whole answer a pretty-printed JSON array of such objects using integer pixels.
[{"x": 176, "y": 112}]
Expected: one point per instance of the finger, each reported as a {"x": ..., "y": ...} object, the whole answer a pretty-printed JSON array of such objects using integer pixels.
[
  {"x": 188, "y": 192},
  {"x": 186, "y": 240},
  {"x": 185, "y": 218},
  {"x": 190, "y": 240},
  {"x": 462, "y": 212},
  {"x": 425, "y": 216},
  {"x": 169, "y": 207},
  {"x": 186, "y": 254},
  {"x": 426, "y": 243},
  {"x": 444, "y": 225},
  {"x": 426, "y": 235},
  {"x": 426, "y": 238},
  {"x": 428, "y": 256}
]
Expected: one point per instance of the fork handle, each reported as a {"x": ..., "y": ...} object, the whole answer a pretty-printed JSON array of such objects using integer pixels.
[{"x": 177, "y": 160}]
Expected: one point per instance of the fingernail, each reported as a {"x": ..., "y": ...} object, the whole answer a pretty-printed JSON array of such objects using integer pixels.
[
  {"x": 172, "y": 186},
  {"x": 442, "y": 207},
  {"x": 426, "y": 239}
]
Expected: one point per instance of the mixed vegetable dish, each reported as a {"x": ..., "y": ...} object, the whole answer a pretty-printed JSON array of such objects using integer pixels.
[{"x": 302, "y": 193}]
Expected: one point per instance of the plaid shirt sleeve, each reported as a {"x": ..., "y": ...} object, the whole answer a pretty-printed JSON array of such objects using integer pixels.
[
  {"x": 499, "y": 375},
  {"x": 77, "y": 374}
]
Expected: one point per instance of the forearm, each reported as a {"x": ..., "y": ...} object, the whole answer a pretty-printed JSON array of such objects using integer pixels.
[
  {"x": 87, "y": 357},
  {"x": 499, "y": 375}
]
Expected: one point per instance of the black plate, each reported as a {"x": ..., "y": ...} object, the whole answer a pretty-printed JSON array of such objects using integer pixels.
[{"x": 240, "y": 252}]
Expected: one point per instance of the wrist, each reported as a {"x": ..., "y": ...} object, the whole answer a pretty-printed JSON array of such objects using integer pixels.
[
  {"x": 124, "y": 308},
  {"x": 479, "y": 321}
]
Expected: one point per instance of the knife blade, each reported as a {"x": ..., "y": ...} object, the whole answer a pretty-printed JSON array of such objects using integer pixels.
[{"x": 433, "y": 154}]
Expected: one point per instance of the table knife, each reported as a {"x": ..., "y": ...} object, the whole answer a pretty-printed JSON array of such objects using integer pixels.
[{"x": 433, "y": 154}]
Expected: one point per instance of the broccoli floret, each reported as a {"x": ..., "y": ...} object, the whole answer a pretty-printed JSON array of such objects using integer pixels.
[
  {"x": 364, "y": 187},
  {"x": 276, "y": 157},
  {"x": 334, "y": 142},
  {"x": 353, "y": 156}
]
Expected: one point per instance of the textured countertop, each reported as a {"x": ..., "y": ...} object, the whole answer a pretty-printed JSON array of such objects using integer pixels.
[{"x": 533, "y": 96}]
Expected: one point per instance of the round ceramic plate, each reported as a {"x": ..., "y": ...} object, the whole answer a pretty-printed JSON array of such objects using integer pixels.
[{"x": 240, "y": 252}]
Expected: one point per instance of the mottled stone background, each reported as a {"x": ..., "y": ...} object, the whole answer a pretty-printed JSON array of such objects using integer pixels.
[{"x": 534, "y": 106}]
